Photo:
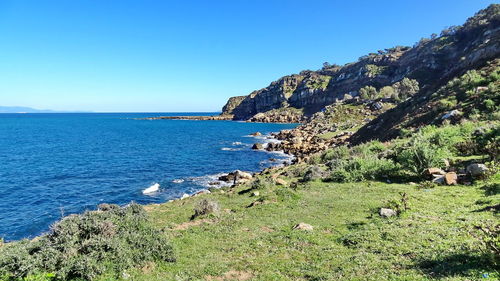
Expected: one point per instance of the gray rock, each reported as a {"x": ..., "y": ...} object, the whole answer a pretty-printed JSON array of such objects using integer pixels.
[
  {"x": 386, "y": 212},
  {"x": 476, "y": 170},
  {"x": 451, "y": 114}
]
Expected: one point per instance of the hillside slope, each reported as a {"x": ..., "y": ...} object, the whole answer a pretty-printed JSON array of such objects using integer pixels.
[{"x": 431, "y": 62}]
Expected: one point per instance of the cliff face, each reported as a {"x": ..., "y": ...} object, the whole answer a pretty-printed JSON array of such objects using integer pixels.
[{"x": 430, "y": 62}]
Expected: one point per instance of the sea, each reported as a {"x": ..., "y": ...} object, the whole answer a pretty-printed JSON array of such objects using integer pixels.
[{"x": 54, "y": 165}]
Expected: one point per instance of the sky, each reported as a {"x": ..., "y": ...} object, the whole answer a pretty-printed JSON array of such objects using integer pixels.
[{"x": 181, "y": 56}]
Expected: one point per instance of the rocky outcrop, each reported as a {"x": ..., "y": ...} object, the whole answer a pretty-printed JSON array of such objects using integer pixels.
[
  {"x": 280, "y": 115},
  {"x": 231, "y": 104},
  {"x": 215, "y": 117},
  {"x": 431, "y": 61}
]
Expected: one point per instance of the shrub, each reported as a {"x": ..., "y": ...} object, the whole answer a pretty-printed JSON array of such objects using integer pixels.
[
  {"x": 368, "y": 93},
  {"x": 339, "y": 152},
  {"x": 430, "y": 146},
  {"x": 205, "y": 207},
  {"x": 387, "y": 92},
  {"x": 487, "y": 141},
  {"x": 88, "y": 245},
  {"x": 405, "y": 88},
  {"x": 400, "y": 204},
  {"x": 362, "y": 168},
  {"x": 419, "y": 155},
  {"x": 261, "y": 183},
  {"x": 313, "y": 173}
]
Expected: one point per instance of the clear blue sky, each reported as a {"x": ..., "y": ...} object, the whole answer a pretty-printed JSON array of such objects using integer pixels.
[{"x": 146, "y": 56}]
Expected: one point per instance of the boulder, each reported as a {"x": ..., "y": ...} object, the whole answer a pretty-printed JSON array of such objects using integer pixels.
[
  {"x": 451, "y": 178},
  {"x": 476, "y": 170},
  {"x": 242, "y": 175},
  {"x": 439, "y": 179},
  {"x": 255, "y": 194},
  {"x": 386, "y": 212},
  {"x": 303, "y": 226},
  {"x": 434, "y": 171},
  {"x": 452, "y": 114},
  {"x": 256, "y": 134},
  {"x": 258, "y": 146},
  {"x": 227, "y": 178}
]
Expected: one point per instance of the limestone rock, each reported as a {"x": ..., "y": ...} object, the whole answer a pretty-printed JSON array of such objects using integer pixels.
[
  {"x": 451, "y": 178},
  {"x": 303, "y": 226},
  {"x": 386, "y": 212}
]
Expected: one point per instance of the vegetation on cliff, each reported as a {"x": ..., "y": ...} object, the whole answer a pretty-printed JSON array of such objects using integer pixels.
[{"x": 431, "y": 63}]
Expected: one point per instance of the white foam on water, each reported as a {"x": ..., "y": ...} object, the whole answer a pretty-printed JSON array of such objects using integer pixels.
[
  {"x": 178, "y": 181},
  {"x": 210, "y": 181},
  {"x": 231, "y": 149},
  {"x": 152, "y": 189}
]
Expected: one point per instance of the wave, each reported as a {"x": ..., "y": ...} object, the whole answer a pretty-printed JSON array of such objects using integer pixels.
[
  {"x": 152, "y": 189},
  {"x": 231, "y": 149},
  {"x": 210, "y": 181},
  {"x": 178, "y": 181}
]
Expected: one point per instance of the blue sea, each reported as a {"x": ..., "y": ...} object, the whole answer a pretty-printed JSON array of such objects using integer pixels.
[{"x": 53, "y": 165}]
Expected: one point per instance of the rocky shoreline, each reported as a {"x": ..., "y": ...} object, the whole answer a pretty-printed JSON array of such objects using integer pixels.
[
  {"x": 238, "y": 177},
  {"x": 200, "y": 118}
]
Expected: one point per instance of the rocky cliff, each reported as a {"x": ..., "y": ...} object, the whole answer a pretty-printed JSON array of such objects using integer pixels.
[{"x": 431, "y": 62}]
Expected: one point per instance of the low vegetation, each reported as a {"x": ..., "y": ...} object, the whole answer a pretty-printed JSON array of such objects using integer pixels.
[{"x": 95, "y": 244}]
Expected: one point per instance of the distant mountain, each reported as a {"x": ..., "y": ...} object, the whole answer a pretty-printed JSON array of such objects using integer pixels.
[{"x": 22, "y": 109}]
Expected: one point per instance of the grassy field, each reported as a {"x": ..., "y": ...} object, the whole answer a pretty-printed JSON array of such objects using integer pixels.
[{"x": 350, "y": 241}]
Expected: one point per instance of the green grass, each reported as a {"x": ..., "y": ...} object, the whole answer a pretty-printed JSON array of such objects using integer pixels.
[{"x": 349, "y": 242}]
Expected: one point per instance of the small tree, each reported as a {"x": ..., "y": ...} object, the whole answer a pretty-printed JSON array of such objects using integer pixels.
[
  {"x": 405, "y": 88},
  {"x": 368, "y": 93},
  {"x": 387, "y": 92}
]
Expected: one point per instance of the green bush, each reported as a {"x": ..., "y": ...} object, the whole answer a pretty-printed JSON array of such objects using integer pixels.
[
  {"x": 261, "y": 183},
  {"x": 362, "y": 168},
  {"x": 88, "y": 245},
  {"x": 339, "y": 152},
  {"x": 430, "y": 146},
  {"x": 206, "y": 207},
  {"x": 487, "y": 141}
]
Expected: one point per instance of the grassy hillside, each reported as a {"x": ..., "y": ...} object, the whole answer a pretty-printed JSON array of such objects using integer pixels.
[{"x": 350, "y": 241}]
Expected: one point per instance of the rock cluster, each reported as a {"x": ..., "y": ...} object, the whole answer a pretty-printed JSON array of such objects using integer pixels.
[
  {"x": 236, "y": 177},
  {"x": 340, "y": 120},
  {"x": 439, "y": 176},
  {"x": 285, "y": 115}
]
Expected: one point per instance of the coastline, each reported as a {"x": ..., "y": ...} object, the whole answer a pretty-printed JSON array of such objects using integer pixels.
[{"x": 232, "y": 179}]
